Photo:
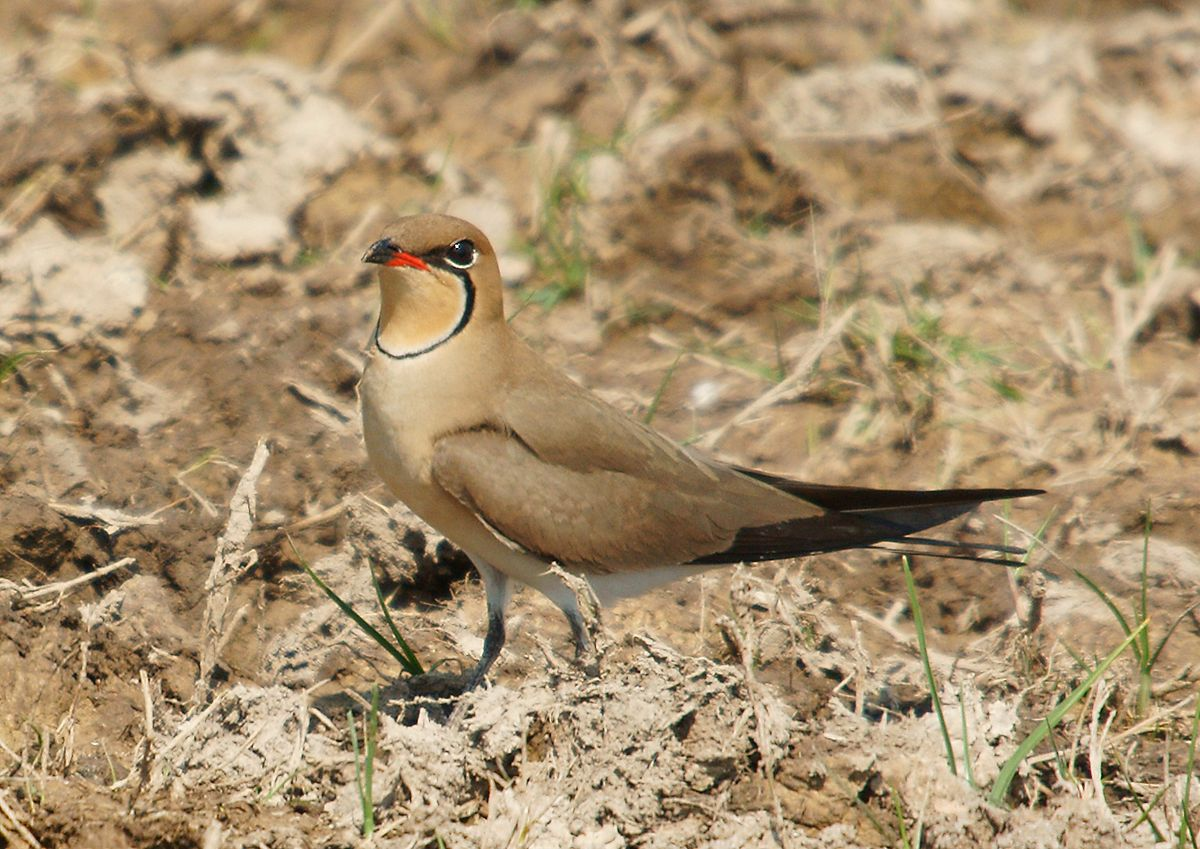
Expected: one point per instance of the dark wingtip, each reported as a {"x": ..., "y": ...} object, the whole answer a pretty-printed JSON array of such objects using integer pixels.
[
  {"x": 946, "y": 555},
  {"x": 867, "y": 517}
]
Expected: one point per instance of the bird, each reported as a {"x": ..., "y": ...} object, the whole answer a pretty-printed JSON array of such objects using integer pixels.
[{"x": 524, "y": 469}]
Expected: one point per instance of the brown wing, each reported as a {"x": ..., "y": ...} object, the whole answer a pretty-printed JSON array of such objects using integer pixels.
[
  {"x": 567, "y": 476},
  {"x": 565, "y": 424},
  {"x": 571, "y": 478},
  {"x": 604, "y": 519}
]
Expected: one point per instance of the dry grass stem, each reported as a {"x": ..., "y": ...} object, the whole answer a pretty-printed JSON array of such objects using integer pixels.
[
  {"x": 30, "y": 593},
  {"x": 380, "y": 23},
  {"x": 323, "y": 406},
  {"x": 791, "y": 386},
  {"x": 1133, "y": 310},
  {"x": 111, "y": 520},
  {"x": 19, "y": 827},
  {"x": 229, "y": 565}
]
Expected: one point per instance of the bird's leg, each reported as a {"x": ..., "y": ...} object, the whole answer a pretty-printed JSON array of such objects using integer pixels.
[
  {"x": 582, "y": 609},
  {"x": 496, "y": 586},
  {"x": 585, "y": 648},
  {"x": 492, "y": 643}
]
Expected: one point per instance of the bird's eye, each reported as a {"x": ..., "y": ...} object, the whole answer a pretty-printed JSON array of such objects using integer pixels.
[{"x": 462, "y": 254}]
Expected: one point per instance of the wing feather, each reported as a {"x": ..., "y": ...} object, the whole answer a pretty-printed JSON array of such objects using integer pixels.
[
  {"x": 604, "y": 519},
  {"x": 564, "y": 475}
]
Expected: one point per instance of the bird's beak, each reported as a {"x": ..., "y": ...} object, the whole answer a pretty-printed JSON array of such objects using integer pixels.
[{"x": 387, "y": 252}]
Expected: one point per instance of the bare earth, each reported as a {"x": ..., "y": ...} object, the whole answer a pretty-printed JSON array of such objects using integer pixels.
[{"x": 914, "y": 244}]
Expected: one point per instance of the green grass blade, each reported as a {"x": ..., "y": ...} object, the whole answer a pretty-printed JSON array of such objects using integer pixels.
[
  {"x": 364, "y": 761},
  {"x": 1185, "y": 805},
  {"x": 901, "y": 824},
  {"x": 1039, "y": 537},
  {"x": 279, "y": 785},
  {"x": 967, "y": 768},
  {"x": 1076, "y": 656},
  {"x": 10, "y": 364},
  {"x": 652, "y": 410},
  {"x": 1009, "y": 771},
  {"x": 1159, "y": 837},
  {"x": 1109, "y": 603},
  {"x": 410, "y": 664},
  {"x": 1144, "y": 612},
  {"x": 372, "y": 732},
  {"x": 363, "y": 624},
  {"x": 1066, "y": 771},
  {"x": 919, "y": 626},
  {"x": 358, "y": 782},
  {"x": 1163, "y": 642}
]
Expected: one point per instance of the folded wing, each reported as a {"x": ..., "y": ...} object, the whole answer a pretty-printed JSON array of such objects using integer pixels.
[{"x": 566, "y": 476}]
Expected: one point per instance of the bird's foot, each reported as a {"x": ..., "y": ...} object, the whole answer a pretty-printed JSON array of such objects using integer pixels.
[
  {"x": 587, "y": 657},
  {"x": 476, "y": 678}
]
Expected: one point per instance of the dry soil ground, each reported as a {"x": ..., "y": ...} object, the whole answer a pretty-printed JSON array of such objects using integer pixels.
[{"x": 907, "y": 243}]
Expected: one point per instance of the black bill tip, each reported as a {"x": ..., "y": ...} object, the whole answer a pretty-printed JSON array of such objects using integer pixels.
[{"x": 381, "y": 252}]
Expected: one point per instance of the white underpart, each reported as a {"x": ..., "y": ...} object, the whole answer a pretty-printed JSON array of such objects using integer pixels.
[
  {"x": 619, "y": 585},
  {"x": 608, "y": 588}
]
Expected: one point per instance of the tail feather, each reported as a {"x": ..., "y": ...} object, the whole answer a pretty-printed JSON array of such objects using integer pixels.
[
  {"x": 861, "y": 499},
  {"x": 994, "y": 547},
  {"x": 860, "y": 517},
  {"x": 945, "y": 555}
]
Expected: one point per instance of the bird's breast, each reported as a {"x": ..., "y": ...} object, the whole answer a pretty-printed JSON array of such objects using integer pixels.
[{"x": 406, "y": 405}]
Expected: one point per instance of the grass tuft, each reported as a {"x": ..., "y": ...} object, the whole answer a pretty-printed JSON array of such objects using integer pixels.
[
  {"x": 923, "y": 649},
  {"x": 1146, "y": 656},
  {"x": 364, "y": 763},
  {"x": 556, "y": 245},
  {"x": 1008, "y": 771},
  {"x": 11, "y": 363},
  {"x": 400, "y": 649}
]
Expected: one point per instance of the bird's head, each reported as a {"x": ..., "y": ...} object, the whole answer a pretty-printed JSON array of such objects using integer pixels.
[{"x": 438, "y": 275}]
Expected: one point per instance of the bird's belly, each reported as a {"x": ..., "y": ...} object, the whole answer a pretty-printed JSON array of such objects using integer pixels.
[
  {"x": 394, "y": 448},
  {"x": 614, "y": 586}
]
